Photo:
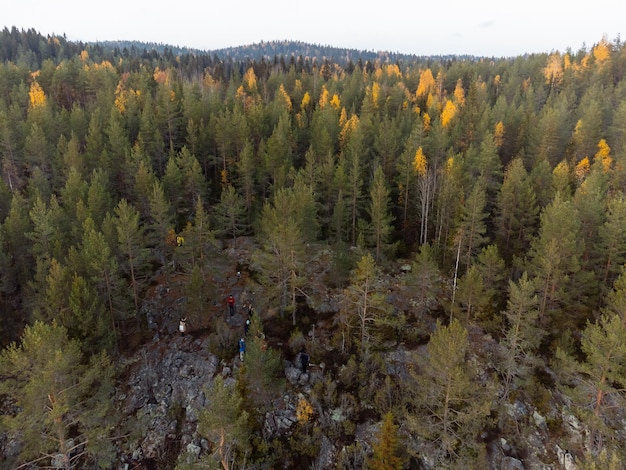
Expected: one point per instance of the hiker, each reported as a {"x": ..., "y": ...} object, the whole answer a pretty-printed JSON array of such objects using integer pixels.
[
  {"x": 242, "y": 348},
  {"x": 304, "y": 361},
  {"x": 246, "y": 326},
  {"x": 231, "y": 305},
  {"x": 182, "y": 326}
]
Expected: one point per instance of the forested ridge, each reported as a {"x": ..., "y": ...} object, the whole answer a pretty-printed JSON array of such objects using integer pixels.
[{"x": 444, "y": 237}]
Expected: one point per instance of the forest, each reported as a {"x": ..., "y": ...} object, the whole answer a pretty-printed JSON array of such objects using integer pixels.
[{"x": 443, "y": 238}]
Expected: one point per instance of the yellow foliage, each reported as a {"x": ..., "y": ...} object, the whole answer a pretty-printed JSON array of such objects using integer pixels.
[
  {"x": 36, "y": 95},
  {"x": 299, "y": 120},
  {"x": 426, "y": 83},
  {"x": 374, "y": 93},
  {"x": 497, "y": 80},
  {"x": 567, "y": 61},
  {"x": 284, "y": 96},
  {"x": 84, "y": 56},
  {"x": 604, "y": 155},
  {"x": 343, "y": 117},
  {"x": 224, "y": 177},
  {"x": 393, "y": 70},
  {"x": 582, "y": 169},
  {"x": 335, "y": 102},
  {"x": 553, "y": 71},
  {"x": 240, "y": 93},
  {"x": 449, "y": 111},
  {"x": 378, "y": 73},
  {"x": 105, "y": 64},
  {"x": 449, "y": 165},
  {"x": 304, "y": 411},
  {"x": 347, "y": 129},
  {"x": 306, "y": 100},
  {"x": 429, "y": 101},
  {"x": 459, "y": 92},
  {"x": 208, "y": 81},
  {"x": 250, "y": 80},
  {"x": 602, "y": 52},
  {"x": 584, "y": 63},
  {"x": 561, "y": 173},
  {"x": 426, "y": 120},
  {"x": 419, "y": 162},
  {"x": 323, "y": 98},
  {"x": 499, "y": 134}
]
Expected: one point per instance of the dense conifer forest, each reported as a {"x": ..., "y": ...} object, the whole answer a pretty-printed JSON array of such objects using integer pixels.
[{"x": 444, "y": 238}]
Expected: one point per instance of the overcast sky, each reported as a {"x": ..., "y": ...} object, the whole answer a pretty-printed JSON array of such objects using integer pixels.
[{"x": 480, "y": 27}]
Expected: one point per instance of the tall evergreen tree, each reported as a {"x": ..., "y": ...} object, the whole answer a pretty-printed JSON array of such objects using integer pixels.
[
  {"x": 451, "y": 406},
  {"x": 555, "y": 255},
  {"x": 63, "y": 403},
  {"x": 380, "y": 216},
  {"x": 522, "y": 334},
  {"x": 131, "y": 246}
]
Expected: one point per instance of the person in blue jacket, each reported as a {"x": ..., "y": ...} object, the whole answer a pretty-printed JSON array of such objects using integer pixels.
[{"x": 242, "y": 348}]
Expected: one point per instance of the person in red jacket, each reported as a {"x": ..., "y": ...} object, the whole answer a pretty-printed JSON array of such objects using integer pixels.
[{"x": 231, "y": 305}]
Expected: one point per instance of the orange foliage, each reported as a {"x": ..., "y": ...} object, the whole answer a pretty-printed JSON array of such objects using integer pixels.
[
  {"x": 160, "y": 76},
  {"x": 582, "y": 169}
]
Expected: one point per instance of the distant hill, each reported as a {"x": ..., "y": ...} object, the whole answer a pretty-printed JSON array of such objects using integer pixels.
[
  {"x": 32, "y": 47},
  {"x": 269, "y": 50}
]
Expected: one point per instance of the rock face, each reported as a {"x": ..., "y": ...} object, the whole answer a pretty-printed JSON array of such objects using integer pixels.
[{"x": 165, "y": 394}]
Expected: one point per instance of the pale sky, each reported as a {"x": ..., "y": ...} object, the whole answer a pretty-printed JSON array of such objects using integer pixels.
[{"x": 481, "y": 27}]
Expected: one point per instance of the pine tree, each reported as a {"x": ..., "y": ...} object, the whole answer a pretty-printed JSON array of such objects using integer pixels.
[
  {"x": 102, "y": 269},
  {"x": 471, "y": 230},
  {"x": 451, "y": 405},
  {"x": 281, "y": 259},
  {"x": 386, "y": 449},
  {"x": 522, "y": 335},
  {"x": 555, "y": 254},
  {"x": 611, "y": 245},
  {"x": 364, "y": 307},
  {"x": 425, "y": 280},
  {"x": 593, "y": 384},
  {"x": 225, "y": 423},
  {"x": 131, "y": 246},
  {"x": 516, "y": 212},
  {"x": 230, "y": 213},
  {"x": 380, "y": 216},
  {"x": 64, "y": 409}
]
